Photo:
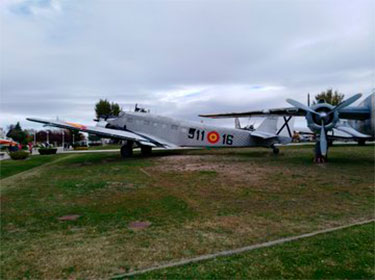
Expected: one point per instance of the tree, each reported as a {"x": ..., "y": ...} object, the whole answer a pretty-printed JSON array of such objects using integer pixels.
[
  {"x": 115, "y": 109},
  {"x": 17, "y": 134},
  {"x": 330, "y": 97},
  {"x": 105, "y": 109}
]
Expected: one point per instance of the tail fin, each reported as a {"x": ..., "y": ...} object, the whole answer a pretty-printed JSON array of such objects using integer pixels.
[
  {"x": 275, "y": 127},
  {"x": 269, "y": 125},
  {"x": 237, "y": 123}
]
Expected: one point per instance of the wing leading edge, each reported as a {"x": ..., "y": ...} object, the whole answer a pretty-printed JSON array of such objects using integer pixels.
[
  {"x": 352, "y": 113},
  {"x": 290, "y": 111},
  {"x": 100, "y": 131}
]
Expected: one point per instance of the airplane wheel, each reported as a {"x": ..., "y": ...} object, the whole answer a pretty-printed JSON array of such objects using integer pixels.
[
  {"x": 146, "y": 150},
  {"x": 275, "y": 151},
  {"x": 127, "y": 150},
  {"x": 361, "y": 142}
]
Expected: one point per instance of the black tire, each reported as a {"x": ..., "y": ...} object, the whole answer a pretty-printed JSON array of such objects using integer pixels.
[
  {"x": 361, "y": 142},
  {"x": 276, "y": 151},
  {"x": 127, "y": 150},
  {"x": 146, "y": 150}
]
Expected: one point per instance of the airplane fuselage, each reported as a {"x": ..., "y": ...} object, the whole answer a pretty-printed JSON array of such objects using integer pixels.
[
  {"x": 366, "y": 126},
  {"x": 186, "y": 133}
]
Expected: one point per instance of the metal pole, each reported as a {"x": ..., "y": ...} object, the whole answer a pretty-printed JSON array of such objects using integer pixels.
[
  {"x": 47, "y": 137},
  {"x": 35, "y": 138}
]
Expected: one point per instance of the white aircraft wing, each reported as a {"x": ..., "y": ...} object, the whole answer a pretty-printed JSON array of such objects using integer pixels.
[
  {"x": 351, "y": 131},
  {"x": 161, "y": 142},
  {"x": 101, "y": 131},
  {"x": 352, "y": 113}
]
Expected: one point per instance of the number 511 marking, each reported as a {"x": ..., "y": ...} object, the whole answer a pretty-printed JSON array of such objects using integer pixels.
[{"x": 199, "y": 135}]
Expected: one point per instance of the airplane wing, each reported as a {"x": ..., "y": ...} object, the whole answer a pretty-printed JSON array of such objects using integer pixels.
[
  {"x": 290, "y": 111},
  {"x": 352, "y": 113},
  {"x": 101, "y": 131},
  {"x": 339, "y": 132},
  {"x": 351, "y": 132}
]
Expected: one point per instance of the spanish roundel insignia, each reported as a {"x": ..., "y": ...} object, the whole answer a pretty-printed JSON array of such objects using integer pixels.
[{"x": 213, "y": 137}]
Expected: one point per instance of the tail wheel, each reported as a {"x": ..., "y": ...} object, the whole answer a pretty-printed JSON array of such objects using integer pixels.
[{"x": 275, "y": 150}]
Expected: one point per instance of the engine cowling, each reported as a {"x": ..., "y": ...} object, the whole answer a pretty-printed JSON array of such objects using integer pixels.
[{"x": 326, "y": 115}]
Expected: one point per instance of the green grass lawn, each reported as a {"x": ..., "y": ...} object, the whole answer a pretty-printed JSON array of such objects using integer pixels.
[
  {"x": 12, "y": 167},
  {"x": 344, "y": 254},
  {"x": 197, "y": 202}
]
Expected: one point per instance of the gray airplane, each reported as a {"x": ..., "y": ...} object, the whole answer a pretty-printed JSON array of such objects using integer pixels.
[
  {"x": 146, "y": 130},
  {"x": 323, "y": 117}
]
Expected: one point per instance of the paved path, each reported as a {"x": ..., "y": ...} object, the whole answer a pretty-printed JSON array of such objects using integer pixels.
[{"x": 241, "y": 250}]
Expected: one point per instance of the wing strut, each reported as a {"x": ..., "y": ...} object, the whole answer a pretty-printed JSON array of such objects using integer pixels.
[{"x": 286, "y": 123}]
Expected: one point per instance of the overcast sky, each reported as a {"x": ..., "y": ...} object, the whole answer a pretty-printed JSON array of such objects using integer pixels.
[{"x": 179, "y": 58}]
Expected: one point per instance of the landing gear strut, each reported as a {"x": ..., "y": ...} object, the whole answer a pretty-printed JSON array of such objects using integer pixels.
[
  {"x": 275, "y": 150},
  {"x": 127, "y": 149},
  {"x": 319, "y": 158}
]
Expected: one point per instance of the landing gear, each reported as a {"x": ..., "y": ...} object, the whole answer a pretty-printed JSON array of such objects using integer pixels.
[
  {"x": 127, "y": 149},
  {"x": 275, "y": 150},
  {"x": 146, "y": 150},
  {"x": 319, "y": 158},
  {"x": 361, "y": 142}
]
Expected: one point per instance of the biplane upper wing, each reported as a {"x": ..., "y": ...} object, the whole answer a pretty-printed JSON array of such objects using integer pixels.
[
  {"x": 290, "y": 111},
  {"x": 353, "y": 113},
  {"x": 101, "y": 131}
]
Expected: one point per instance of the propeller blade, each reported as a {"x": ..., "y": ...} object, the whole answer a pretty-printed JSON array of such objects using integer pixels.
[
  {"x": 347, "y": 102},
  {"x": 323, "y": 141},
  {"x": 301, "y": 106}
]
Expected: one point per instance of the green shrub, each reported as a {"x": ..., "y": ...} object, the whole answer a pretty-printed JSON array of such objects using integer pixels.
[
  {"x": 47, "y": 151},
  {"x": 18, "y": 155}
]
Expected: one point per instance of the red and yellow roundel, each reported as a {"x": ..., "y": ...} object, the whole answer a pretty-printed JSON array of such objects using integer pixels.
[
  {"x": 213, "y": 137},
  {"x": 77, "y": 125}
]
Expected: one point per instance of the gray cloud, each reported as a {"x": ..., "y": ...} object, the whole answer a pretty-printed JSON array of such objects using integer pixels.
[{"x": 180, "y": 58}]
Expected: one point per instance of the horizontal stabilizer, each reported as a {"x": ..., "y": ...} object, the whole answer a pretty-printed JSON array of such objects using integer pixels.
[{"x": 263, "y": 135}]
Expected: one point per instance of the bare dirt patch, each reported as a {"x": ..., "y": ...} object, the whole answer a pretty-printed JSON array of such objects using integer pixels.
[
  {"x": 139, "y": 225},
  {"x": 223, "y": 166},
  {"x": 69, "y": 217}
]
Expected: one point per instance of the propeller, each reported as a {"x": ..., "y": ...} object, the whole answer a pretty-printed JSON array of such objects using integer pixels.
[
  {"x": 324, "y": 116},
  {"x": 346, "y": 102},
  {"x": 301, "y": 106},
  {"x": 323, "y": 140}
]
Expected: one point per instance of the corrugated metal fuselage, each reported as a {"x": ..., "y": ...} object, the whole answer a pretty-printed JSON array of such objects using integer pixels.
[
  {"x": 186, "y": 133},
  {"x": 366, "y": 126}
]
